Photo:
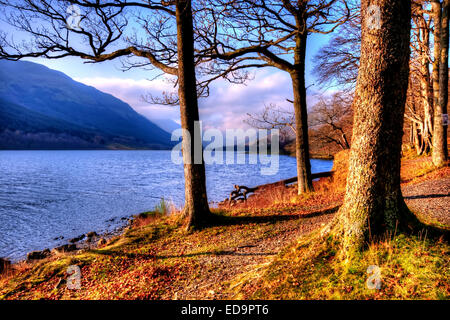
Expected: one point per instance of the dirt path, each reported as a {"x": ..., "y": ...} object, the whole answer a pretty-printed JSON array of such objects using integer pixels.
[
  {"x": 231, "y": 262},
  {"x": 431, "y": 198}
]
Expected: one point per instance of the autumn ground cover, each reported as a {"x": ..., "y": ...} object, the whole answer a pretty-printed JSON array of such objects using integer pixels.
[{"x": 261, "y": 249}]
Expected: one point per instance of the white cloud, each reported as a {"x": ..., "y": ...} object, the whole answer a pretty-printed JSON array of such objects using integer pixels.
[
  {"x": 226, "y": 107},
  {"x": 131, "y": 91}
]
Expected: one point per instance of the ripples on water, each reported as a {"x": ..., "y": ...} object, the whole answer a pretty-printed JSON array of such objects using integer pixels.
[{"x": 47, "y": 194}]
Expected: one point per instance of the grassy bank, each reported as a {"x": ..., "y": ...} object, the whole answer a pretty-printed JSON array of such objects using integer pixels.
[{"x": 411, "y": 267}]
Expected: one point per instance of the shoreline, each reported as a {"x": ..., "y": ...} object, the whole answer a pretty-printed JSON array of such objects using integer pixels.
[
  {"x": 18, "y": 246},
  {"x": 79, "y": 244},
  {"x": 61, "y": 244}
]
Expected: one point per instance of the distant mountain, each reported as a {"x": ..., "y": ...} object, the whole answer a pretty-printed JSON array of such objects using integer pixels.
[
  {"x": 41, "y": 108},
  {"x": 167, "y": 125}
]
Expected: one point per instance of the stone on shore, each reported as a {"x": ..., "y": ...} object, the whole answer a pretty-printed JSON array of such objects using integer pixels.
[
  {"x": 38, "y": 255},
  {"x": 77, "y": 238},
  {"x": 91, "y": 235},
  {"x": 66, "y": 248}
]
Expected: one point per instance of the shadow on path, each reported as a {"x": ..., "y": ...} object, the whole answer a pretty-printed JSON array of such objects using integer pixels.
[
  {"x": 427, "y": 196},
  {"x": 222, "y": 220}
]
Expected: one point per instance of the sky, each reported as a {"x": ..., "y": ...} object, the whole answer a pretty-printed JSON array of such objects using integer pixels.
[{"x": 226, "y": 107}]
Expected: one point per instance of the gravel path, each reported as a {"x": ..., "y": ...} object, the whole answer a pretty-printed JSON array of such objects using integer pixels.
[
  {"x": 431, "y": 198},
  {"x": 234, "y": 261}
]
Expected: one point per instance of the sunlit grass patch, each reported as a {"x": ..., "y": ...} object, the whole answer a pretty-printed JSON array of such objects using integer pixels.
[
  {"x": 163, "y": 209},
  {"x": 411, "y": 267},
  {"x": 415, "y": 169}
]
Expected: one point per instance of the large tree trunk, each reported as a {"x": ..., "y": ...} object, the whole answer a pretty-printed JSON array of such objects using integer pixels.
[
  {"x": 436, "y": 9},
  {"x": 440, "y": 149},
  {"x": 426, "y": 86},
  {"x": 301, "y": 117},
  {"x": 196, "y": 202},
  {"x": 373, "y": 202}
]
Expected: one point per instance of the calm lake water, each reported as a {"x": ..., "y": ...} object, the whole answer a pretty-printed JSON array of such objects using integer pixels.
[{"x": 48, "y": 194}]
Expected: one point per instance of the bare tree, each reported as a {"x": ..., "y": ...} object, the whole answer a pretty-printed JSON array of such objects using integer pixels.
[
  {"x": 337, "y": 63},
  {"x": 273, "y": 117},
  {"x": 422, "y": 112},
  {"x": 331, "y": 121},
  {"x": 273, "y": 33},
  {"x": 102, "y": 35},
  {"x": 415, "y": 112},
  {"x": 423, "y": 93},
  {"x": 424, "y": 107}
]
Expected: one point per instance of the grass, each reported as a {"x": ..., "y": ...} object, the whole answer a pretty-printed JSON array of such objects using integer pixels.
[
  {"x": 411, "y": 267},
  {"x": 162, "y": 209},
  {"x": 413, "y": 170}
]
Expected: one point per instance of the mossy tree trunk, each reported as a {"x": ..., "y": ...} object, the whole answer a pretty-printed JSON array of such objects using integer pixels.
[
  {"x": 440, "y": 149},
  {"x": 301, "y": 116},
  {"x": 373, "y": 201},
  {"x": 196, "y": 202}
]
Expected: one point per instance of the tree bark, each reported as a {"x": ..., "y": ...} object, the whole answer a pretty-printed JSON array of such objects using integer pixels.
[
  {"x": 440, "y": 148},
  {"x": 373, "y": 202},
  {"x": 436, "y": 8},
  {"x": 196, "y": 202},
  {"x": 426, "y": 86},
  {"x": 417, "y": 141},
  {"x": 427, "y": 100},
  {"x": 304, "y": 181}
]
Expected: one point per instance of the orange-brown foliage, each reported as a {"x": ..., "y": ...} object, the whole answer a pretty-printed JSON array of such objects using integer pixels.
[{"x": 340, "y": 169}]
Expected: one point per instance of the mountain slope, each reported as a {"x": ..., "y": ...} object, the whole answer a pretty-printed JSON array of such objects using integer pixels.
[
  {"x": 36, "y": 99},
  {"x": 167, "y": 125},
  {"x": 22, "y": 128}
]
